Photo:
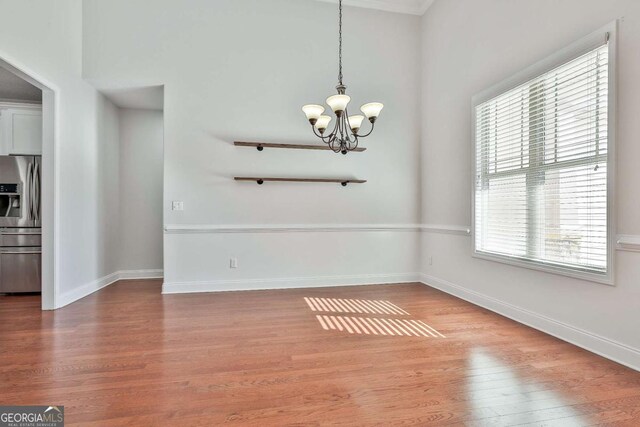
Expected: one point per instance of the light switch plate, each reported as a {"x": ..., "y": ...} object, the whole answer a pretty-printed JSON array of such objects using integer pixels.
[{"x": 177, "y": 206}]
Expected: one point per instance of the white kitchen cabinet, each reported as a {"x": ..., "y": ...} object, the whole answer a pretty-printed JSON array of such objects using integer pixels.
[{"x": 21, "y": 131}]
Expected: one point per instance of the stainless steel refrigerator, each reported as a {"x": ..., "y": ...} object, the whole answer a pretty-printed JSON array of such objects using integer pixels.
[{"x": 20, "y": 224}]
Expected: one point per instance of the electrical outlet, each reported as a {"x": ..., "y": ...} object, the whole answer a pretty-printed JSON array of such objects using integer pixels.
[
  {"x": 430, "y": 260},
  {"x": 177, "y": 206},
  {"x": 233, "y": 263}
]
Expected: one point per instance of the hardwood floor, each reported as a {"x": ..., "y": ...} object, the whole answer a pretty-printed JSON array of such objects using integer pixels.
[{"x": 128, "y": 355}]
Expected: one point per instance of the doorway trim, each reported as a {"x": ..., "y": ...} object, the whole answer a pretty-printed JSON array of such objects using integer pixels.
[{"x": 50, "y": 190}]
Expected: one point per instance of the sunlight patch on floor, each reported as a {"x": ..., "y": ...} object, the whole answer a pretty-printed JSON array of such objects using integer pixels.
[
  {"x": 336, "y": 320},
  {"x": 339, "y": 305}
]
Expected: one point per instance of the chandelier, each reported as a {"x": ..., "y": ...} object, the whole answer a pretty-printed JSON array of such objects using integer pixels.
[{"x": 344, "y": 136}]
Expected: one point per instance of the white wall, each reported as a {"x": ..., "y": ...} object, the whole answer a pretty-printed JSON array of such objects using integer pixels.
[
  {"x": 107, "y": 164},
  {"x": 140, "y": 190},
  {"x": 241, "y": 70},
  {"x": 468, "y": 46},
  {"x": 44, "y": 39}
]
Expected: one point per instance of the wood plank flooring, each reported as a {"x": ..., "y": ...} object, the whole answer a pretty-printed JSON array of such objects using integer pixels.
[{"x": 128, "y": 355}]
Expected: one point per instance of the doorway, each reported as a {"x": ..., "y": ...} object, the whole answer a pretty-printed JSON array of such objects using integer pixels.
[
  {"x": 37, "y": 191},
  {"x": 141, "y": 171}
]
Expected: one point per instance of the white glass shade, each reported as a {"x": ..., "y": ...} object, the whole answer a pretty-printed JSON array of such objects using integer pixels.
[
  {"x": 372, "y": 109},
  {"x": 355, "y": 122},
  {"x": 323, "y": 122},
  {"x": 313, "y": 111},
  {"x": 338, "y": 102}
]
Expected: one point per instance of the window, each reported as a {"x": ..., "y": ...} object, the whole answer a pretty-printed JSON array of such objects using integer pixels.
[{"x": 542, "y": 165}]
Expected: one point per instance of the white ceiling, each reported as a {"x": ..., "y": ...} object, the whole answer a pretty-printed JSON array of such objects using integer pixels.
[
  {"x": 412, "y": 7},
  {"x": 13, "y": 88},
  {"x": 147, "y": 98}
]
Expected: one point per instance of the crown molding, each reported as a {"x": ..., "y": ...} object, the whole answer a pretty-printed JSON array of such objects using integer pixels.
[
  {"x": 411, "y": 7},
  {"x": 19, "y": 104},
  {"x": 424, "y": 5}
]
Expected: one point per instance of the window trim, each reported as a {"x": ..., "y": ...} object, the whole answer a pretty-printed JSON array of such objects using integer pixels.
[{"x": 563, "y": 56}]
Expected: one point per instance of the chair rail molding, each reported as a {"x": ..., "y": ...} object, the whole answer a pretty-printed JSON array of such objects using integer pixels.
[
  {"x": 286, "y": 228},
  {"x": 464, "y": 230},
  {"x": 309, "y": 228},
  {"x": 625, "y": 242},
  {"x": 628, "y": 242}
]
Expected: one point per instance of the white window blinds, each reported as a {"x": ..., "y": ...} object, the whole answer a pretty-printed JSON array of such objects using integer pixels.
[{"x": 541, "y": 168}]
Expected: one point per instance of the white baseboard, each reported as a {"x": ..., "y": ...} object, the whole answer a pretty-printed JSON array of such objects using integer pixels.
[
  {"x": 85, "y": 290},
  {"x": 140, "y": 274},
  {"x": 286, "y": 283},
  {"x": 594, "y": 343},
  {"x": 78, "y": 293}
]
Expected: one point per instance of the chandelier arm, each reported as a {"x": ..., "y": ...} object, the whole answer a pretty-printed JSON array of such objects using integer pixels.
[
  {"x": 355, "y": 142},
  {"x": 325, "y": 138},
  {"x": 368, "y": 133},
  {"x": 332, "y": 145},
  {"x": 333, "y": 136},
  {"x": 348, "y": 121},
  {"x": 340, "y": 135},
  {"x": 346, "y": 126},
  {"x": 321, "y": 136},
  {"x": 334, "y": 132},
  {"x": 349, "y": 132},
  {"x": 345, "y": 134}
]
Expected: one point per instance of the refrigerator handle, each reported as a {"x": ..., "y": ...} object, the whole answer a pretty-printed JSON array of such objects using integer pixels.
[
  {"x": 36, "y": 191},
  {"x": 27, "y": 192}
]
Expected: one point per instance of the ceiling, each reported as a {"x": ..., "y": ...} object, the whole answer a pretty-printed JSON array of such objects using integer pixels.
[
  {"x": 13, "y": 88},
  {"x": 412, "y": 7},
  {"x": 147, "y": 98}
]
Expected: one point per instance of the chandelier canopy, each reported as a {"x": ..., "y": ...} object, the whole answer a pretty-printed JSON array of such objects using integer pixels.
[{"x": 344, "y": 136}]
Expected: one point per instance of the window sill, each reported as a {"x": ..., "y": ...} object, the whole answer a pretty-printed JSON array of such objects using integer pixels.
[{"x": 602, "y": 278}]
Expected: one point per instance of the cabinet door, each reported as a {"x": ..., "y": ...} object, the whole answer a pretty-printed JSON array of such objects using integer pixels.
[
  {"x": 20, "y": 270},
  {"x": 24, "y": 132}
]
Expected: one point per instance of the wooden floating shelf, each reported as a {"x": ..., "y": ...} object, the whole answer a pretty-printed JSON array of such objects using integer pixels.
[
  {"x": 262, "y": 145},
  {"x": 260, "y": 181}
]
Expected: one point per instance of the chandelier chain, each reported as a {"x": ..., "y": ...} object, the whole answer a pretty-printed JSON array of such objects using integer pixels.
[{"x": 340, "y": 43}]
